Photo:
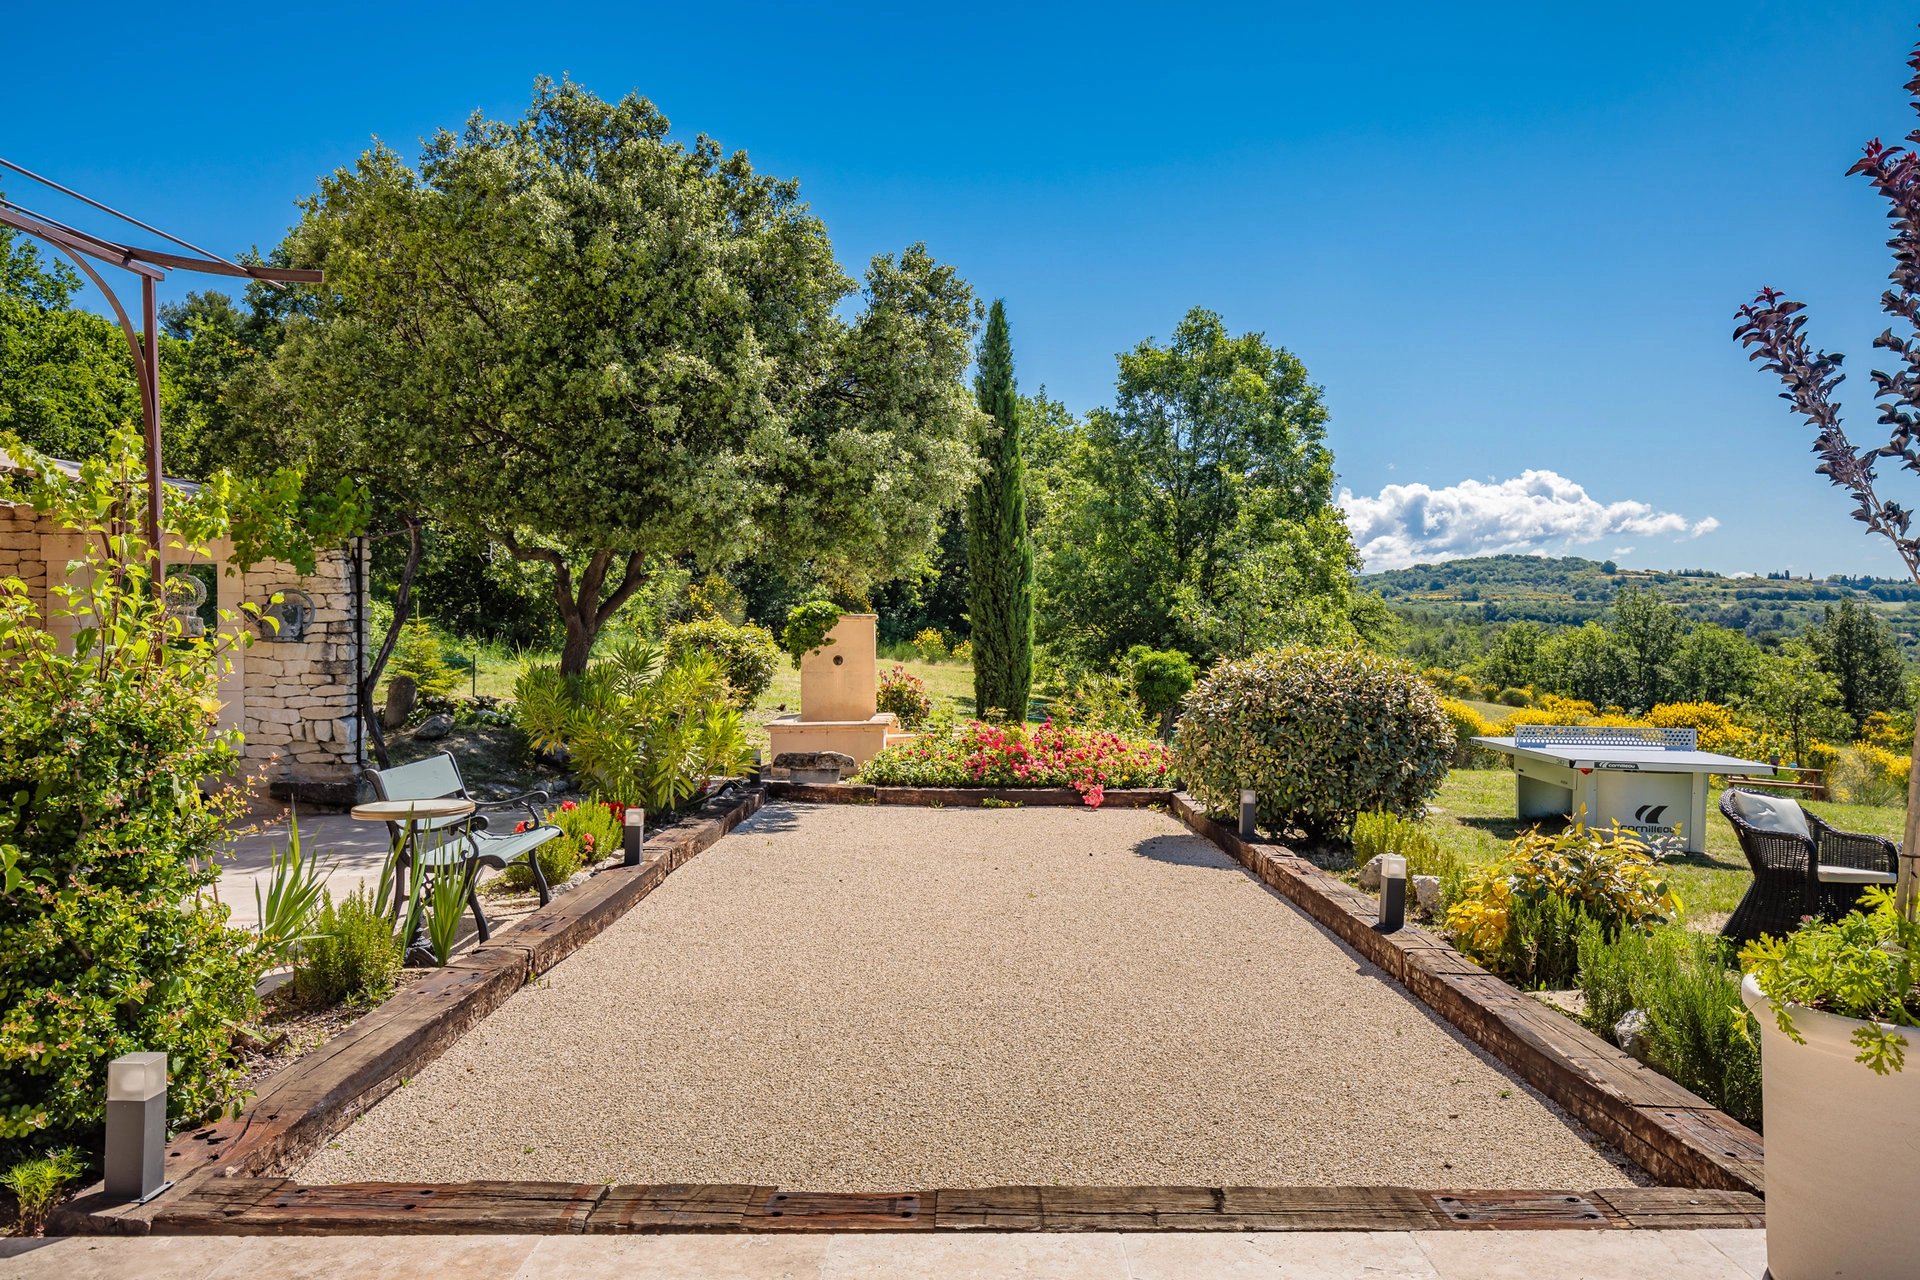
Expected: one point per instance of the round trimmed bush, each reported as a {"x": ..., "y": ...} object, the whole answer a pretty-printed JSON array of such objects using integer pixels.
[
  {"x": 746, "y": 652},
  {"x": 1319, "y": 734}
]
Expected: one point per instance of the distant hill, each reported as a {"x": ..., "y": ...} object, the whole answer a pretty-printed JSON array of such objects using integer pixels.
[{"x": 1571, "y": 589}]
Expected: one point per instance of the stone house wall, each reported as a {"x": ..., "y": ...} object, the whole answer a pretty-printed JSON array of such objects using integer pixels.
[{"x": 292, "y": 699}]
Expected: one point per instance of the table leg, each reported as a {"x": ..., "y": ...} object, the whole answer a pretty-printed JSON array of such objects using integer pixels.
[{"x": 419, "y": 954}]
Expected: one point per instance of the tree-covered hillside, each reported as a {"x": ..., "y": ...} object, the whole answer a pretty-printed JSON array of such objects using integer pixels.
[{"x": 1573, "y": 590}]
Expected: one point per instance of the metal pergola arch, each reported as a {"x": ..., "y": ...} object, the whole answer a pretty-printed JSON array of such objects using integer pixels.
[{"x": 151, "y": 266}]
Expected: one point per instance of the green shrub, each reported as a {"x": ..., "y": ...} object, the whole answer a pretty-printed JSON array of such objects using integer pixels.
[
  {"x": 641, "y": 729},
  {"x": 1319, "y": 734},
  {"x": 905, "y": 695},
  {"x": 1520, "y": 915},
  {"x": 807, "y": 627},
  {"x": 1512, "y": 697},
  {"x": 110, "y": 761},
  {"x": 592, "y": 831},
  {"x": 1866, "y": 965},
  {"x": 747, "y": 653},
  {"x": 1866, "y": 774},
  {"x": 419, "y": 654},
  {"x": 36, "y": 1184},
  {"x": 1377, "y": 833},
  {"x": 1699, "y": 1031},
  {"x": 930, "y": 645},
  {"x": 353, "y": 958},
  {"x": 1161, "y": 677},
  {"x": 1105, "y": 702}
]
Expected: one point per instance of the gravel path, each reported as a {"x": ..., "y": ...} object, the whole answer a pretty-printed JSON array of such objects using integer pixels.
[{"x": 853, "y": 998}]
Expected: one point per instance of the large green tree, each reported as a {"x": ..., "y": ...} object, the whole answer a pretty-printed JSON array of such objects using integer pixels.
[
  {"x": 1857, "y": 648},
  {"x": 1191, "y": 510},
  {"x": 1646, "y": 629},
  {"x": 999, "y": 547},
  {"x": 605, "y": 350},
  {"x": 66, "y": 375}
]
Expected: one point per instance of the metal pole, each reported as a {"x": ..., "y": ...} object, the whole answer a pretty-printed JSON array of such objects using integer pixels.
[{"x": 150, "y": 377}]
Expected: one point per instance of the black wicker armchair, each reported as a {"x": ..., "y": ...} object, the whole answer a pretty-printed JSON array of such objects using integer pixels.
[{"x": 1786, "y": 873}]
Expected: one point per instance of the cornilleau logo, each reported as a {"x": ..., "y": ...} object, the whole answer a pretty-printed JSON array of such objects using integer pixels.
[{"x": 1650, "y": 813}]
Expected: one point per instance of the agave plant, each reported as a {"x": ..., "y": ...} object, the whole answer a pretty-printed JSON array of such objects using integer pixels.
[{"x": 643, "y": 729}]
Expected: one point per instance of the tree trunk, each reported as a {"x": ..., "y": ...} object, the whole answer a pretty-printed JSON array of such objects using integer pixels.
[
  {"x": 584, "y": 610},
  {"x": 578, "y": 647},
  {"x": 402, "y": 610}
]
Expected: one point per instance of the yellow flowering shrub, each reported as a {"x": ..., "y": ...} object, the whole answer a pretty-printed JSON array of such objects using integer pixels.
[
  {"x": 1713, "y": 723},
  {"x": 1468, "y": 724},
  {"x": 1866, "y": 774},
  {"x": 1606, "y": 874},
  {"x": 1895, "y": 733}
]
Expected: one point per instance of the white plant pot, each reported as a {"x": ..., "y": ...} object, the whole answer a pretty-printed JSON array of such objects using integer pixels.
[{"x": 1843, "y": 1151}]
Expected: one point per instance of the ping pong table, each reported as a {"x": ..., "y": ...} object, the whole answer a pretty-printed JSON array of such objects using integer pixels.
[{"x": 1652, "y": 781}]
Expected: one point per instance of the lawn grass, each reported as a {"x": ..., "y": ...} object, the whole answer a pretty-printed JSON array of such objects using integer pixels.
[{"x": 1473, "y": 818}]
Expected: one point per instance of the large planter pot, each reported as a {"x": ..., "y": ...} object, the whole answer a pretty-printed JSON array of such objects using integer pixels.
[{"x": 1843, "y": 1151}]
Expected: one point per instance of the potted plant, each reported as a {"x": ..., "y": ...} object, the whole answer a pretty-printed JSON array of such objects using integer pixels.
[{"x": 1836, "y": 1004}]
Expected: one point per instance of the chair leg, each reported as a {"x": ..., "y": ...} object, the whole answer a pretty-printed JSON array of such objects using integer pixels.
[
  {"x": 480, "y": 928},
  {"x": 539, "y": 878}
]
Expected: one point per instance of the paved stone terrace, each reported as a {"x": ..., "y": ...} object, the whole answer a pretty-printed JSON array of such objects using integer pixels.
[
  {"x": 1391, "y": 1255},
  {"x": 851, "y": 998}
]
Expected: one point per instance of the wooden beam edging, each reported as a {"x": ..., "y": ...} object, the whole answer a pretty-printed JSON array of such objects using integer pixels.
[
  {"x": 961, "y": 797},
  {"x": 1673, "y": 1134},
  {"x": 299, "y": 1109},
  {"x": 277, "y": 1206}
]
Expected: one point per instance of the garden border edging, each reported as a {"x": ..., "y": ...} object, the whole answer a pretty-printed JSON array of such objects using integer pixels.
[
  {"x": 1670, "y": 1132},
  {"x": 961, "y": 797},
  {"x": 301, "y": 1108}
]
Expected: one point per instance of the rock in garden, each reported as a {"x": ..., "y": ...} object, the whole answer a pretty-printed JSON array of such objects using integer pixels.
[
  {"x": 436, "y": 726},
  {"x": 1634, "y": 1034},
  {"x": 1426, "y": 891},
  {"x": 815, "y": 766},
  {"x": 401, "y": 696},
  {"x": 1370, "y": 874}
]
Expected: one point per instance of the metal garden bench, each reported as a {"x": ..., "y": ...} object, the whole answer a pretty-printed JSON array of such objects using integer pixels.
[{"x": 441, "y": 843}]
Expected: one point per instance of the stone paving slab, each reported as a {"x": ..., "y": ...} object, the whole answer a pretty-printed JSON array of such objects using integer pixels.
[{"x": 1387, "y": 1255}]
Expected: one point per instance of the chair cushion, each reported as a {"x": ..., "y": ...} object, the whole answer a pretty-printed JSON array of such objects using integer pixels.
[{"x": 1772, "y": 814}]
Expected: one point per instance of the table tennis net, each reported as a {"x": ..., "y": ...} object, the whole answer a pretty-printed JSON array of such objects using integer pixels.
[{"x": 1605, "y": 735}]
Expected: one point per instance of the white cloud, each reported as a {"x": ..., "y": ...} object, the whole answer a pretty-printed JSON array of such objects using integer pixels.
[
  {"x": 1623, "y": 551},
  {"x": 1407, "y": 524}
]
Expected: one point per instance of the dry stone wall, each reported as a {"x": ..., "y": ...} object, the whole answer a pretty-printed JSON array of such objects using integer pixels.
[
  {"x": 292, "y": 698},
  {"x": 20, "y": 551},
  {"x": 301, "y": 716}
]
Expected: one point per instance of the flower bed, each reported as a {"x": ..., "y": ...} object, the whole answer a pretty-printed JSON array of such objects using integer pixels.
[{"x": 978, "y": 754}]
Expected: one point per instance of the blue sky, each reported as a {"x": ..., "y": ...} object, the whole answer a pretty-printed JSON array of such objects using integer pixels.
[{"x": 1507, "y": 239}]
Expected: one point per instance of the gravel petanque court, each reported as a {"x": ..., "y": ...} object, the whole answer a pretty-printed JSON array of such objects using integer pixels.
[{"x": 848, "y": 998}]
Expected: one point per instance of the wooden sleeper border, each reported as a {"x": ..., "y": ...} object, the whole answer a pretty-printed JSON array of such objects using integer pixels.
[
  {"x": 300, "y": 1108},
  {"x": 275, "y": 1206},
  {"x": 1674, "y": 1134}
]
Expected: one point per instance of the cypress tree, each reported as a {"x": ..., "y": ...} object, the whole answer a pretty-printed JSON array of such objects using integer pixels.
[{"x": 999, "y": 550}]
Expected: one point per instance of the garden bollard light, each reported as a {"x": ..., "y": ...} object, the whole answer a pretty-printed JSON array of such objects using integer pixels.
[
  {"x": 634, "y": 836},
  {"x": 1393, "y": 893},
  {"x": 1247, "y": 802},
  {"x": 136, "y": 1126}
]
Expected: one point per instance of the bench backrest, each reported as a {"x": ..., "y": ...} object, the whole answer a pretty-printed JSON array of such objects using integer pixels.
[{"x": 428, "y": 779}]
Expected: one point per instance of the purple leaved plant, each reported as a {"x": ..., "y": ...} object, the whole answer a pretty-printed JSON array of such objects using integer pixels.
[{"x": 1773, "y": 328}]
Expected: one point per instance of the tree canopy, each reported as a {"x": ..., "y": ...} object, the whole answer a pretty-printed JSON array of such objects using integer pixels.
[
  {"x": 603, "y": 349},
  {"x": 1197, "y": 512}
]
